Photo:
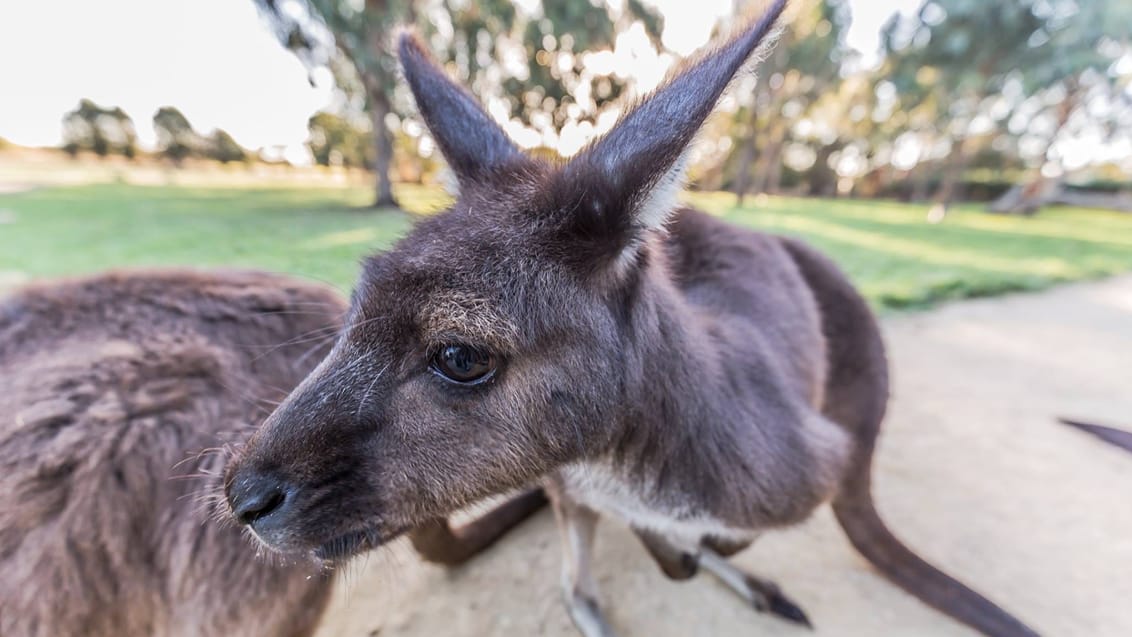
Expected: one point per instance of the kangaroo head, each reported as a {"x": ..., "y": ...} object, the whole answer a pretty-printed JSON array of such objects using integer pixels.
[{"x": 497, "y": 341}]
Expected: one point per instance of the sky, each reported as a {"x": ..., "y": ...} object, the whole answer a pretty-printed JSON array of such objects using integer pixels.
[{"x": 217, "y": 62}]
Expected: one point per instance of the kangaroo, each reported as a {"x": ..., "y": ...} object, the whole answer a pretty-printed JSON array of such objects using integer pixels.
[
  {"x": 111, "y": 388},
  {"x": 569, "y": 323}
]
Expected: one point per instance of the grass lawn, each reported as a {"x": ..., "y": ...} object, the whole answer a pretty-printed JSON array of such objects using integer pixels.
[
  {"x": 899, "y": 260},
  {"x": 894, "y": 255}
]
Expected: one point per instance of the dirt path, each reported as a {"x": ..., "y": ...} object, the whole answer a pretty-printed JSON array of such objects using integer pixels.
[{"x": 973, "y": 472}]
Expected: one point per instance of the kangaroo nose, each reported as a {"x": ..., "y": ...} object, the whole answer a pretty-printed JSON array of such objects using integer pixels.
[{"x": 255, "y": 496}]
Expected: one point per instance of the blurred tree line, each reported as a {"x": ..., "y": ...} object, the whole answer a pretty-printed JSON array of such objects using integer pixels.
[
  {"x": 527, "y": 58},
  {"x": 1001, "y": 85},
  {"x": 110, "y": 131},
  {"x": 102, "y": 131},
  {"x": 971, "y": 98}
]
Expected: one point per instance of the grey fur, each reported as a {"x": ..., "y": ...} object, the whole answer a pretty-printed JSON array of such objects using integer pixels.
[
  {"x": 121, "y": 394},
  {"x": 112, "y": 388},
  {"x": 714, "y": 384}
]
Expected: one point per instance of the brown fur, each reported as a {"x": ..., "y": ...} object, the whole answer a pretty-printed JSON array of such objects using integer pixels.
[
  {"x": 113, "y": 388},
  {"x": 702, "y": 381}
]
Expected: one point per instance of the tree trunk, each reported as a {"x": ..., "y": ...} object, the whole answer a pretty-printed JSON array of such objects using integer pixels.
[
  {"x": 378, "y": 85},
  {"x": 383, "y": 140},
  {"x": 743, "y": 170},
  {"x": 823, "y": 178},
  {"x": 764, "y": 168},
  {"x": 746, "y": 156},
  {"x": 952, "y": 174},
  {"x": 1036, "y": 192},
  {"x": 774, "y": 174},
  {"x": 948, "y": 190},
  {"x": 920, "y": 178},
  {"x": 768, "y": 170}
]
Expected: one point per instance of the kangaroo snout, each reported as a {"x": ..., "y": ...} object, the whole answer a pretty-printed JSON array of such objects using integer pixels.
[
  {"x": 301, "y": 517},
  {"x": 303, "y": 482},
  {"x": 258, "y": 499}
]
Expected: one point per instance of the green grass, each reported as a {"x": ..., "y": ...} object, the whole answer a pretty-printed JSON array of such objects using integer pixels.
[
  {"x": 320, "y": 233},
  {"x": 896, "y": 257},
  {"x": 899, "y": 260}
]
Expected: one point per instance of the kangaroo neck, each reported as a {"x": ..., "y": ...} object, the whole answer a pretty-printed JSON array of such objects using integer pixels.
[{"x": 709, "y": 425}]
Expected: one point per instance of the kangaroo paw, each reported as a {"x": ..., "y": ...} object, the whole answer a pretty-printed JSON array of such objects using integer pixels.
[
  {"x": 764, "y": 595},
  {"x": 786, "y": 608},
  {"x": 587, "y": 616}
]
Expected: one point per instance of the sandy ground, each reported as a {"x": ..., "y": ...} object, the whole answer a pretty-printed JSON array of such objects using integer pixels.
[{"x": 973, "y": 472}]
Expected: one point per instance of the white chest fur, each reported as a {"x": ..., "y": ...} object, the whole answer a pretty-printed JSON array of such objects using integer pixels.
[{"x": 598, "y": 487}]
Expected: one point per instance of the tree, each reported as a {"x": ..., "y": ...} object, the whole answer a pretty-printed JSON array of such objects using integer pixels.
[
  {"x": 804, "y": 66},
  {"x": 986, "y": 69},
  {"x": 558, "y": 41},
  {"x": 176, "y": 138},
  {"x": 1072, "y": 66},
  {"x": 958, "y": 55},
  {"x": 354, "y": 40},
  {"x": 103, "y": 131},
  {"x": 335, "y": 141},
  {"x": 224, "y": 149},
  {"x": 846, "y": 134}
]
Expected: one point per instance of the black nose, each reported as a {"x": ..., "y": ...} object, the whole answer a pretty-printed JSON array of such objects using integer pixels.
[{"x": 254, "y": 496}]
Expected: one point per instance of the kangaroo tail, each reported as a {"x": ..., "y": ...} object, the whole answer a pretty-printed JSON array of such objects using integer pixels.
[
  {"x": 857, "y": 514},
  {"x": 438, "y": 541},
  {"x": 1111, "y": 435}
]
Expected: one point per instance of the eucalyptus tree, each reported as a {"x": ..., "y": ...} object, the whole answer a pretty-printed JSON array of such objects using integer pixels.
[
  {"x": 98, "y": 129},
  {"x": 224, "y": 148},
  {"x": 805, "y": 66},
  {"x": 176, "y": 138},
  {"x": 1026, "y": 67},
  {"x": 336, "y": 141},
  {"x": 1071, "y": 86},
  {"x": 527, "y": 57},
  {"x": 958, "y": 55}
]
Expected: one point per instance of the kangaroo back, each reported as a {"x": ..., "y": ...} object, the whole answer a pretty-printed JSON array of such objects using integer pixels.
[
  {"x": 112, "y": 387},
  {"x": 856, "y": 397},
  {"x": 120, "y": 393}
]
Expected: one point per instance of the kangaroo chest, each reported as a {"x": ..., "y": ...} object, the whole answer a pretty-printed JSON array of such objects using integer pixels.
[{"x": 642, "y": 507}]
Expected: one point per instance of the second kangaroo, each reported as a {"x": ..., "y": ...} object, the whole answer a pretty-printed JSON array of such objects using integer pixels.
[{"x": 570, "y": 323}]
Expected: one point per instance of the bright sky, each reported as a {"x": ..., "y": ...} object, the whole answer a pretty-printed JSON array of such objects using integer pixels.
[{"x": 216, "y": 61}]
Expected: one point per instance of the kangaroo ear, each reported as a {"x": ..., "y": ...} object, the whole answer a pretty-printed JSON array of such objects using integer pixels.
[
  {"x": 638, "y": 166},
  {"x": 471, "y": 141}
]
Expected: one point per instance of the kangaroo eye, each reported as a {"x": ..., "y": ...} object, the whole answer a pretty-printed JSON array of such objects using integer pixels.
[{"x": 463, "y": 364}]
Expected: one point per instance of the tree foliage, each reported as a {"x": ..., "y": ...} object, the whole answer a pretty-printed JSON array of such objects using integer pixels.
[
  {"x": 103, "y": 131},
  {"x": 1003, "y": 76},
  {"x": 176, "y": 138},
  {"x": 531, "y": 62},
  {"x": 804, "y": 67},
  {"x": 223, "y": 148},
  {"x": 965, "y": 89},
  {"x": 336, "y": 141}
]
